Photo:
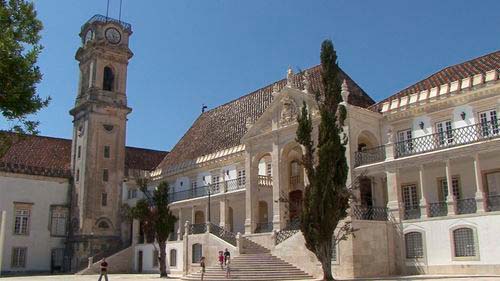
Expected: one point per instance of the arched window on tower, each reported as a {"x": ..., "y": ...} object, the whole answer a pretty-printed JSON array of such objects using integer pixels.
[{"x": 108, "y": 79}]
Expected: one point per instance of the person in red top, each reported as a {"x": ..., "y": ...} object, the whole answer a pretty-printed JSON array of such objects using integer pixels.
[
  {"x": 104, "y": 270},
  {"x": 221, "y": 259}
]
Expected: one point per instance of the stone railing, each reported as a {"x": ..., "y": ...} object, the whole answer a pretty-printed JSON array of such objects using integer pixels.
[{"x": 265, "y": 181}]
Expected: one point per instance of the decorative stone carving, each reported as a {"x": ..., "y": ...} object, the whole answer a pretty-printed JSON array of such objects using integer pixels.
[
  {"x": 288, "y": 111},
  {"x": 276, "y": 90},
  {"x": 390, "y": 135},
  {"x": 345, "y": 91},
  {"x": 306, "y": 80},
  {"x": 249, "y": 123},
  {"x": 289, "y": 77}
]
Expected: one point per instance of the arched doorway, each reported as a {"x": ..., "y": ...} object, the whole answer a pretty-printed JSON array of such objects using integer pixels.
[
  {"x": 295, "y": 201},
  {"x": 199, "y": 217}
]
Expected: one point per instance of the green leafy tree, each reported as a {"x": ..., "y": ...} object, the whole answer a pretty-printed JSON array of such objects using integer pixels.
[
  {"x": 156, "y": 218},
  {"x": 19, "y": 75},
  {"x": 326, "y": 198}
]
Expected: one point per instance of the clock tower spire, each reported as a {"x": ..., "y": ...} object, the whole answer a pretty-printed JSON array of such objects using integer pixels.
[{"x": 99, "y": 129}]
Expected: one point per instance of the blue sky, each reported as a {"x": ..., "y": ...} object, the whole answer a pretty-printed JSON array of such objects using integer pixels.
[{"x": 192, "y": 52}]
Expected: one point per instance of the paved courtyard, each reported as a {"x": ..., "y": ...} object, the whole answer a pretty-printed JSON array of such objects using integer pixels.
[{"x": 155, "y": 277}]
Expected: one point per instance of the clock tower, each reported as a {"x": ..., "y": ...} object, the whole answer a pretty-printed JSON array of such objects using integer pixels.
[{"x": 98, "y": 147}]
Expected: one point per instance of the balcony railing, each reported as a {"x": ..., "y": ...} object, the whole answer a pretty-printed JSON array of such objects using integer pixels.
[
  {"x": 412, "y": 212},
  {"x": 197, "y": 228},
  {"x": 466, "y": 206},
  {"x": 446, "y": 139},
  {"x": 438, "y": 209},
  {"x": 266, "y": 181},
  {"x": 493, "y": 202},
  {"x": 368, "y": 156},
  {"x": 369, "y": 213},
  {"x": 229, "y": 185},
  {"x": 263, "y": 227}
]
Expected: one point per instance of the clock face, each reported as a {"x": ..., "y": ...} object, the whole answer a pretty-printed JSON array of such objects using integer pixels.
[
  {"x": 113, "y": 35},
  {"x": 89, "y": 36}
]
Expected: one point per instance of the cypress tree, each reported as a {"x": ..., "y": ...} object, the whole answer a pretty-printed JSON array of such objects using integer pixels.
[{"x": 326, "y": 198}]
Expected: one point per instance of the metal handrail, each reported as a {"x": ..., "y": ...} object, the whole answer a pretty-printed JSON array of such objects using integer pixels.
[
  {"x": 370, "y": 155},
  {"x": 369, "y": 213},
  {"x": 197, "y": 228},
  {"x": 466, "y": 206},
  {"x": 263, "y": 227},
  {"x": 223, "y": 234},
  {"x": 438, "y": 209},
  {"x": 101, "y": 18},
  {"x": 446, "y": 139},
  {"x": 493, "y": 202}
]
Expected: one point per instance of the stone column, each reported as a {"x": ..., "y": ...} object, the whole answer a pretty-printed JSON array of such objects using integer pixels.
[
  {"x": 450, "y": 199},
  {"x": 480, "y": 192},
  {"x": 250, "y": 192},
  {"x": 185, "y": 245},
  {"x": 180, "y": 226},
  {"x": 224, "y": 205},
  {"x": 193, "y": 211},
  {"x": 394, "y": 194},
  {"x": 278, "y": 204},
  {"x": 423, "y": 196},
  {"x": 135, "y": 231}
]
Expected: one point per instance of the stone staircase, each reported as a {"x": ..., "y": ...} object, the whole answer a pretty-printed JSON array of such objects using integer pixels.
[{"x": 254, "y": 264}]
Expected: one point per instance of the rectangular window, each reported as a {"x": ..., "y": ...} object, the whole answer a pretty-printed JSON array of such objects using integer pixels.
[
  {"x": 241, "y": 177},
  {"x": 194, "y": 184},
  {"x": 19, "y": 257},
  {"x": 489, "y": 123},
  {"x": 405, "y": 141},
  {"x": 410, "y": 198},
  {"x": 22, "y": 219},
  {"x": 106, "y": 151},
  {"x": 445, "y": 133},
  {"x": 493, "y": 183},
  {"x": 58, "y": 221},
  {"x": 269, "y": 169},
  {"x": 105, "y": 175},
  {"x": 77, "y": 175},
  {"x": 215, "y": 182},
  {"x": 79, "y": 151},
  {"x": 104, "y": 199},
  {"x": 155, "y": 258},
  {"x": 414, "y": 245},
  {"x": 455, "y": 183}
]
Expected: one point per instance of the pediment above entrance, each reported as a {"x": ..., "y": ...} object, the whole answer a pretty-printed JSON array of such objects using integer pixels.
[{"x": 282, "y": 112}]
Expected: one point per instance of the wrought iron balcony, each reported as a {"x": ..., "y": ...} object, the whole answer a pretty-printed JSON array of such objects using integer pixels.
[
  {"x": 438, "y": 209},
  {"x": 370, "y": 155},
  {"x": 197, "y": 228},
  {"x": 263, "y": 227},
  {"x": 369, "y": 213},
  {"x": 223, "y": 234},
  {"x": 493, "y": 202},
  {"x": 446, "y": 139},
  {"x": 412, "y": 212},
  {"x": 466, "y": 206},
  {"x": 101, "y": 18},
  {"x": 266, "y": 181}
]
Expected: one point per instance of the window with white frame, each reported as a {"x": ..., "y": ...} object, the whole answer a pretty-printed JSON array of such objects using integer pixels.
[
  {"x": 197, "y": 253},
  {"x": 22, "y": 219},
  {"x": 19, "y": 255},
  {"x": 404, "y": 141},
  {"x": 444, "y": 132},
  {"x": 216, "y": 182},
  {"x": 173, "y": 257},
  {"x": 241, "y": 177},
  {"x": 58, "y": 221},
  {"x": 464, "y": 242},
  {"x": 410, "y": 197},
  {"x": 194, "y": 184},
  {"x": 414, "y": 245},
  {"x": 132, "y": 193},
  {"x": 455, "y": 183},
  {"x": 489, "y": 122}
]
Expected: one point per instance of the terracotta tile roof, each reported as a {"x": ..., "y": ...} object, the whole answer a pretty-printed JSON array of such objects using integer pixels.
[
  {"x": 224, "y": 126},
  {"x": 449, "y": 74},
  {"x": 48, "y": 156}
]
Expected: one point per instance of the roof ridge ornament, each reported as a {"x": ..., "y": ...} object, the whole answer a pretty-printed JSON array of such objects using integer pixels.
[
  {"x": 345, "y": 91},
  {"x": 289, "y": 77},
  {"x": 306, "y": 80}
]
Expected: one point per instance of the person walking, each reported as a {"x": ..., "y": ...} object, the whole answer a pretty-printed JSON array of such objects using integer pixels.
[
  {"x": 202, "y": 264},
  {"x": 228, "y": 269},
  {"x": 221, "y": 260},
  {"x": 227, "y": 256},
  {"x": 104, "y": 270}
]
